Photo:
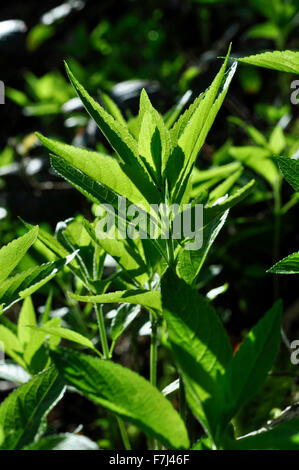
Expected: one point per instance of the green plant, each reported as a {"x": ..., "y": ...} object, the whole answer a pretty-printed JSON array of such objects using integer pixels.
[{"x": 154, "y": 163}]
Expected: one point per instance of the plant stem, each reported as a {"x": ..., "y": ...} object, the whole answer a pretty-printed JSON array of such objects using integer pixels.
[
  {"x": 182, "y": 400},
  {"x": 124, "y": 434},
  {"x": 292, "y": 202},
  {"x": 102, "y": 331},
  {"x": 112, "y": 348},
  {"x": 153, "y": 352},
  {"x": 153, "y": 362}
]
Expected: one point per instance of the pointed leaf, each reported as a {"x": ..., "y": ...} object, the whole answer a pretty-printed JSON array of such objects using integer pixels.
[
  {"x": 258, "y": 159},
  {"x": 11, "y": 254},
  {"x": 288, "y": 265},
  {"x": 23, "y": 411},
  {"x": 26, "y": 317},
  {"x": 290, "y": 170},
  {"x": 200, "y": 347},
  {"x": 125, "y": 393},
  {"x": 190, "y": 261},
  {"x": 112, "y": 108},
  {"x": 120, "y": 139},
  {"x": 223, "y": 188},
  {"x": 12, "y": 345},
  {"x": 284, "y": 61},
  {"x": 26, "y": 283},
  {"x": 248, "y": 369},
  {"x": 125, "y": 315},
  {"x": 196, "y": 131},
  {"x": 65, "y": 333},
  {"x": 220, "y": 207},
  {"x": 102, "y": 168},
  {"x": 154, "y": 143},
  {"x": 149, "y": 299}
]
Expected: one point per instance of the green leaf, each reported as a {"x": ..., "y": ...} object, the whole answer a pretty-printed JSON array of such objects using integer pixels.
[
  {"x": 125, "y": 315},
  {"x": 290, "y": 170},
  {"x": 179, "y": 125},
  {"x": 124, "y": 393},
  {"x": 31, "y": 354},
  {"x": 252, "y": 131},
  {"x": 120, "y": 139},
  {"x": 65, "y": 333},
  {"x": 171, "y": 117},
  {"x": 11, "y": 254},
  {"x": 196, "y": 131},
  {"x": 190, "y": 140},
  {"x": 118, "y": 136},
  {"x": 284, "y": 61},
  {"x": 258, "y": 159},
  {"x": 223, "y": 188},
  {"x": 190, "y": 261},
  {"x": 102, "y": 168},
  {"x": 112, "y": 108},
  {"x": 26, "y": 283},
  {"x": 149, "y": 299},
  {"x": 36, "y": 352},
  {"x": 283, "y": 437},
  {"x": 277, "y": 141},
  {"x": 50, "y": 242},
  {"x": 223, "y": 171},
  {"x": 200, "y": 347},
  {"x": 220, "y": 207},
  {"x": 1, "y": 435},
  {"x": 288, "y": 265},
  {"x": 17, "y": 96},
  {"x": 204, "y": 443},
  {"x": 189, "y": 132},
  {"x": 126, "y": 255},
  {"x": 12, "y": 345},
  {"x": 211, "y": 175},
  {"x": 248, "y": 369},
  {"x": 266, "y": 30},
  {"x": 150, "y": 146},
  {"x": 154, "y": 143},
  {"x": 23, "y": 411},
  {"x": 90, "y": 188},
  {"x": 26, "y": 317}
]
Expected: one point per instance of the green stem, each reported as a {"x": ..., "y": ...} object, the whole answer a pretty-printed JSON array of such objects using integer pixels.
[
  {"x": 124, "y": 434},
  {"x": 182, "y": 400},
  {"x": 153, "y": 352},
  {"x": 112, "y": 348},
  {"x": 170, "y": 250},
  {"x": 292, "y": 202},
  {"x": 102, "y": 331},
  {"x": 153, "y": 363}
]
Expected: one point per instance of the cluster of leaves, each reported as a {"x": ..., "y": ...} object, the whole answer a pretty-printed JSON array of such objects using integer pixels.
[{"x": 153, "y": 163}]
